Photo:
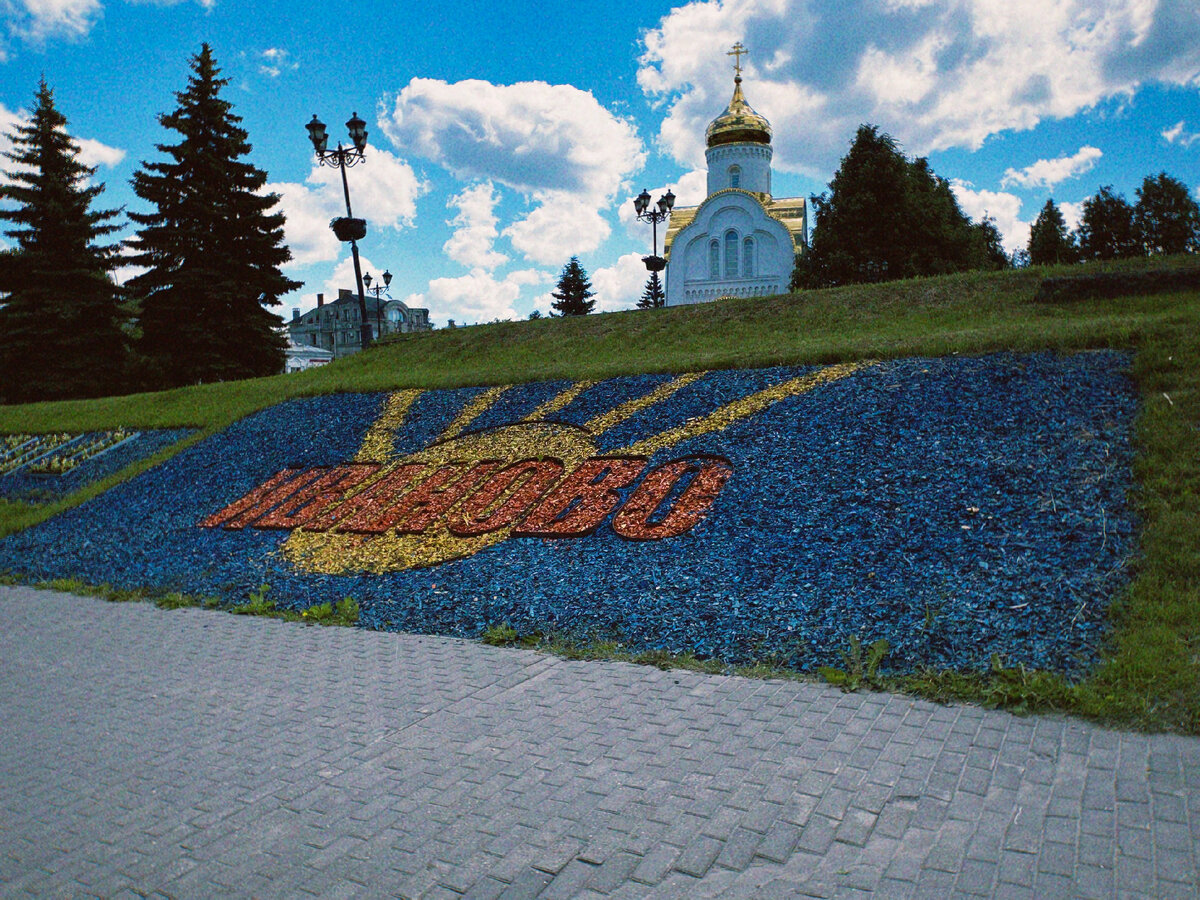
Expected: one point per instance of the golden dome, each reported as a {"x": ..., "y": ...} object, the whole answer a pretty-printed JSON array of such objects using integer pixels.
[{"x": 739, "y": 123}]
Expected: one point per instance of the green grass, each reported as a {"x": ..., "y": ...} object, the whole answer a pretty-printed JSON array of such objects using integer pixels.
[{"x": 1149, "y": 674}]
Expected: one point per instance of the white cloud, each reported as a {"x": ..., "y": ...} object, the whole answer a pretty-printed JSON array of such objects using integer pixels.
[
  {"x": 94, "y": 153},
  {"x": 475, "y": 231},
  {"x": 476, "y": 297},
  {"x": 620, "y": 285},
  {"x": 340, "y": 278},
  {"x": 935, "y": 74},
  {"x": 1176, "y": 135},
  {"x": 555, "y": 144},
  {"x": 1003, "y": 207},
  {"x": 276, "y": 61},
  {"x": 531, "y": 136},
  {"x": 41, "y": 20},
  {"x": 383, "y": 190},
  {"x": 37, "y": 20},
  {"x": 560, "y": 227},
  {"x": 1049, "y": 172},
  {"x": 1072, "y": 213}
]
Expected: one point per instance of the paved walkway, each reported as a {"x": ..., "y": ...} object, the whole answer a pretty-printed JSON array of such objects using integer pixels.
[{"x": 199, "y": 753}]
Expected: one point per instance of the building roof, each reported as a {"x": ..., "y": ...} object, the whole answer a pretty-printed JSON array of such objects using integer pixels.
[
  {"x": 294, "y": 350},
  {"x": 790, "y": 211}
]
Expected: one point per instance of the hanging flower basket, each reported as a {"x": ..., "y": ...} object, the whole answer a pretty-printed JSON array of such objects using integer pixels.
[{"x": 347, "y": 229}]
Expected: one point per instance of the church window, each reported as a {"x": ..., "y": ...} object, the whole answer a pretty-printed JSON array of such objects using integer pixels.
[
  {"x": 748, "y": 258},
  {"x": 735, "y": 176},
  {"x": 731, "y": 254},
  {"x": 714, "y": 260}
]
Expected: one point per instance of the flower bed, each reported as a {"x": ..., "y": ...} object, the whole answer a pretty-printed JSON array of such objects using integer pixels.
[
  {"x": 47, "y": 467},
  {"x": 957, "y": 507}
]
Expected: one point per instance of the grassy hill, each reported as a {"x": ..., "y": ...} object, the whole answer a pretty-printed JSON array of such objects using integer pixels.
[{"x": 1151, "y": 672}]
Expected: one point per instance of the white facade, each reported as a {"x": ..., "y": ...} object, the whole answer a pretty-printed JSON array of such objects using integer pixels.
[{"x": 731, "y": 248}]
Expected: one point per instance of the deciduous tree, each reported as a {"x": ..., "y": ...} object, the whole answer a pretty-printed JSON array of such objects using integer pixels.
[
  {"x": 61, "y": 325},
  {"x": 886, "y": 217},
  {"x": 573, "y": 297},
  {"x": 212, "y": 246},
  {"x": 1106, "y": 227},
  {"x": 1166, "y": 218}
]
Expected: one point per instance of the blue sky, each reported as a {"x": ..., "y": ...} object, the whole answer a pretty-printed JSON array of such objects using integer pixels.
[{"x": 506, "y": 137}]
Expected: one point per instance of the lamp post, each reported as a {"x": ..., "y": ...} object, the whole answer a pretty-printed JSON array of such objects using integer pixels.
[
  {"x": 348, "y": 229},
  {"x": 641, "y": 203},
  {"x": 378, "y": 290}
]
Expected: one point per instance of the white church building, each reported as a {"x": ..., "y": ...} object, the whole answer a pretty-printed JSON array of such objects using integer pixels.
[{"x": 741, "y": 241}]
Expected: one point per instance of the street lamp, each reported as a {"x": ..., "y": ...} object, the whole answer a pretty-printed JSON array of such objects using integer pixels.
[
  {"x": 348, "y": 229},
  {"x": 377, "y": 291},
  {"x": 641, "y": 203}
]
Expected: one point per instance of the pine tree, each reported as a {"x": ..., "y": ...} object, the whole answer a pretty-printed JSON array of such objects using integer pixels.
[
  {"x": 1049, "y": 241},
  {"x": 212, "y": 247},
  {"x": 1106, "y": 227},
  {"x": 573, "y": 297},
  {"x": 61, "y": 325},
  {"x": 1166, "y": 219},
  {"x": 653, "y": 296}
]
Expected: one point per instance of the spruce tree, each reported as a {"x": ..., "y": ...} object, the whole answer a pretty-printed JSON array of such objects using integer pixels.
[
  {"x": 1166, "y": 219},
  {"x": 61, "y": 325},
  {"x": 573, "y": 297},
  {"x": 212, "y": 247},
  {"x": 1049, "y": 241},
  {"x": 1106, "y": 227},
  {"x": 653, "y": 296}
]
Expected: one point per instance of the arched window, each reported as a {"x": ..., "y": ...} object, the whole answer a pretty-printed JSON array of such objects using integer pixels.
[
  {"x": 748, "y": 258},
  {"x": 735, "y": 176},
  {"x": 714, "y": 259},
  {"x": 731, "y": 254}
]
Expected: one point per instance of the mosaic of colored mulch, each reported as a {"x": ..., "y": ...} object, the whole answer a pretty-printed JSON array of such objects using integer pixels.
[
  {"x": 957, "y": 507},
  {"x": 41, "y": 468}
]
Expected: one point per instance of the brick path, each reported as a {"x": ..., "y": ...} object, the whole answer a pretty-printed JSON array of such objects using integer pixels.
[{"x": 199, "y": 753}]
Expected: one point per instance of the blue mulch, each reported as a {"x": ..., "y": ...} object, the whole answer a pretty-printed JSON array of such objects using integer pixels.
[{"x": 957, "y": 507}]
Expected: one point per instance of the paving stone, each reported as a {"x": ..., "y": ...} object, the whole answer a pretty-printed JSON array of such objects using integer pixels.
[{"x": 338, "y": 762}]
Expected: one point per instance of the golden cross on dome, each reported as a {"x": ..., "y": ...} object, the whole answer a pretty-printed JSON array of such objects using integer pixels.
[{"x": 737, "y": 51}]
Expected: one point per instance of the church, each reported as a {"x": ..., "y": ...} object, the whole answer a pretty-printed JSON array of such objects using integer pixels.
[{"x": 741, "y": 241}]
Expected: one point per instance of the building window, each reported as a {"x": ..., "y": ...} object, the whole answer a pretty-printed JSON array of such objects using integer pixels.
[
  {"x": 748, "y": 258},
  {"x": 714, "y": 260},
  {"x": 731, "y": 254},
  {"x": 735, "y": 176}
]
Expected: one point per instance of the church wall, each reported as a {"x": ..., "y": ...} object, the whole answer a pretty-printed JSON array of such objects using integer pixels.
[
  {"x": 689, "y": 275},
  {"x": 753, "y": 162}
]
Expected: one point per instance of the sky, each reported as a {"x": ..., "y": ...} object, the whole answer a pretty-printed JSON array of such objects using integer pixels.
[{"x": 506, "y": 137}]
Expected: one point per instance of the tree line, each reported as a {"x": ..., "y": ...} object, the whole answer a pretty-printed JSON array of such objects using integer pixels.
[
  {"x": 209, "y": 253},
  {"x": 1165, "y": 219},
  {"x": 886, "y": 217}
]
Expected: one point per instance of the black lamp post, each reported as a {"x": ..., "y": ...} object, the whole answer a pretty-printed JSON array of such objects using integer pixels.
[
  {"x": 378, "y": 290},
  {"x": 641, "y": 203},
  {"x": 348, "y": 229}
]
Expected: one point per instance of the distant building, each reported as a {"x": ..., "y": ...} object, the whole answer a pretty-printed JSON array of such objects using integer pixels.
[
  {"x": 741, "y": 241},
  {"x": 299, "y": 357},
  {"x": 335, "y": 326}
]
